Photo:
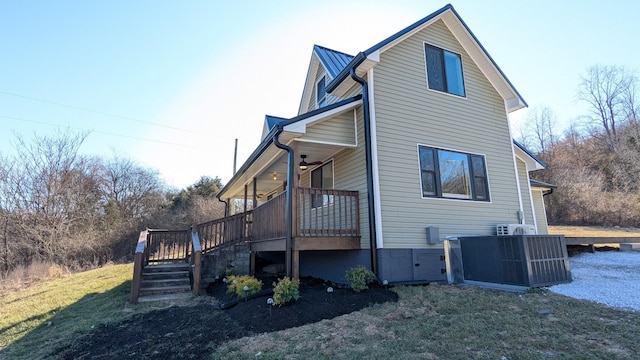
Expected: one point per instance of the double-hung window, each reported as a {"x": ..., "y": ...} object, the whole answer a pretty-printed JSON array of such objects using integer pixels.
[
  {"x": 452, "y": 174},
  {"x": 322, "y": 178},
  {"x": 321, "y": 92},
  {"x": 444, "y": 70}
]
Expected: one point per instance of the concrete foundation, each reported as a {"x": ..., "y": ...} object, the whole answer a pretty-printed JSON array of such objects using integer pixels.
[{"x": 630, "y": 247}]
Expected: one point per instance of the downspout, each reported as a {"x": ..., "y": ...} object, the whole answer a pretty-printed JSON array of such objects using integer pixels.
[
  {"x": 288, "y": 199},
  {"x": 548, "y": 192},
  {"x": 369, "y": 167},
  {"x": 226, "y": 206}
]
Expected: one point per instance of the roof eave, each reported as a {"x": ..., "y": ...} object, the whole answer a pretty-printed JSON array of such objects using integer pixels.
[
  {"x": 537, "y": 163},
  {"x": 513, "y": 100},
  {"x": 268, "y": 140}
]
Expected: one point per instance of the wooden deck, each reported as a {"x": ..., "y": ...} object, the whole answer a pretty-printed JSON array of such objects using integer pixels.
[{"x": 323, "y": 219}]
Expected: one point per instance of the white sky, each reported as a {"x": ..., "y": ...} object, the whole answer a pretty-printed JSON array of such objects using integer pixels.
[{"x": 187, "y": 78}]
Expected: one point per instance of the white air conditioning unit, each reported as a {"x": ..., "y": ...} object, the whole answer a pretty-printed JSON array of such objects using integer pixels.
[{"x": 515, "y": 229}]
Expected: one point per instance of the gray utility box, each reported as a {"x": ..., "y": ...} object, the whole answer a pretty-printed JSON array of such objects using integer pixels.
[
  {"x": 412, "y": 266},
  {"x": 523, "y": 260}
]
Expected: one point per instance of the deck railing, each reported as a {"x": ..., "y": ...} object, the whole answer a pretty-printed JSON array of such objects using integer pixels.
[
  {"x": 226, "y": 231},
  {"x": 138, "y": 264},
  {"x": 327, "y": 212},
  {"x": 167, "y": 246},
  {"x": 321, "y": 213},
  {"x": 269, "y": 219}
]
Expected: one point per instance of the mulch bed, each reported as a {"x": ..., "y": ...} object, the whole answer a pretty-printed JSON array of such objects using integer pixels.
[
  {"x": 195, "y": 331},
  {"x": 315, "y": 304}
]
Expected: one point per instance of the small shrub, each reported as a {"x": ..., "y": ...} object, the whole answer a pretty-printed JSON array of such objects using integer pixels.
[
  {"x": 254, "y": 285},
  {"x": 285, "y": 291},
  {"x": 359, "y": 278}
]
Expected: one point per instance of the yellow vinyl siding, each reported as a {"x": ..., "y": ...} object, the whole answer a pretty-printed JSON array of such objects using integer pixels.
[
  {"x": 407, "y": 113},
  {"x": 339, "y": 129},
  {"x": 349, "y": 171},
  {"x": 526, "y": 194},
  {"x": 541, "y": 217}
]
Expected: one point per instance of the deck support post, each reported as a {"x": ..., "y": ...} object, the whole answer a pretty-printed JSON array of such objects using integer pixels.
[
  {"x": 296, "y": 264},
  {"x": 252, "y": 263}
]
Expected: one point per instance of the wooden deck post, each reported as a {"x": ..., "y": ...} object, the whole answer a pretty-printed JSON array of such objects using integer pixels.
[
  {"x": 252, "y": 263},
  {"x": 295, "y": 264}
]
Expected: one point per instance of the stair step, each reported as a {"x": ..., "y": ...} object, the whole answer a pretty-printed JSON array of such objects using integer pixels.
[
  {"x": 164, "y": 297},
  {"x": 157, "y": 290},
  {"x": 167, "y": 267},
  {"x": 165, "y": 275},
  {"x": 165, "y": 282}
]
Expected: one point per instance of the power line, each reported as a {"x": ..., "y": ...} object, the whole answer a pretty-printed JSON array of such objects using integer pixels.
[
  {"x": 92, "y": 111},
  {"x": 96, "y": 131}
]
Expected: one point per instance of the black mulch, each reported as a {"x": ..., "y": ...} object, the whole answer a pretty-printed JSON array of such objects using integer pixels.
[{"x": 194, "y": 332}]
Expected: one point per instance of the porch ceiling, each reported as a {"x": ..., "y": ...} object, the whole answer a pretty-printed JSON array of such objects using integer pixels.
[{"x": 274, "y": 162}]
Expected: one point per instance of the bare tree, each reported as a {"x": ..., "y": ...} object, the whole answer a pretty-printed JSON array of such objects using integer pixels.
[
  {"x": 605, "y": 89},
  {"x": 541, "y": 125}
]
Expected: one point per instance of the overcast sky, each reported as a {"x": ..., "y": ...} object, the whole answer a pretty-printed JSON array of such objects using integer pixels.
[{"x": 171, "y": 84}]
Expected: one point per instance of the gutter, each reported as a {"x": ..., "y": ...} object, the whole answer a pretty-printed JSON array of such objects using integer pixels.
[
  {"x": 369, "y": 166},
  {"x": 288, "y": 197}
]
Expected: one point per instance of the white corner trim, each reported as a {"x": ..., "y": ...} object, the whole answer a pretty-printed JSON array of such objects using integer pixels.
[
  {"x": 533, "y": 208},
  {"x": 515, "y": 163},
  {"x": 374, "y": 160}
]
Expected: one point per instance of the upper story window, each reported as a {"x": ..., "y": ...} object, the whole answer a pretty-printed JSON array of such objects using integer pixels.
[
  {"x": 444, "y": 70},
  {"x": 453, "y": 175},
  {"x": 321, "y": 93}
]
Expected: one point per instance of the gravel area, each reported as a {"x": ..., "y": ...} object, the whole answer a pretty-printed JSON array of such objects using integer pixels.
[{"x": 611, "y": 278}]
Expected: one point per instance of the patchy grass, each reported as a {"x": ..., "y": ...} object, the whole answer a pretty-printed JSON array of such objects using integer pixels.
[
  {"x": 450, "y": 322},
  {"x": 34, "y": 320},
  {"x": 428, "y": 322},
  {"x": 593, "y": 231}
]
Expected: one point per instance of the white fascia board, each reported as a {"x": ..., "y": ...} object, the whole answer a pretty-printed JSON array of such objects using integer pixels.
[
  {"x": 531, "y": 163},
  {"x": 512, "y": 100},
  {"x": 514, "y": 103},
  {"x": 300, "y": 127}
]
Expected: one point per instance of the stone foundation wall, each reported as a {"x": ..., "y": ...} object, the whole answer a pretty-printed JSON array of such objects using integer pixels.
[{"x": 235, "y": 259}]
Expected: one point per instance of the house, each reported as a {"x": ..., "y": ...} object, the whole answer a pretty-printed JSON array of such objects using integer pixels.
[{"x": 394, "y": 150}]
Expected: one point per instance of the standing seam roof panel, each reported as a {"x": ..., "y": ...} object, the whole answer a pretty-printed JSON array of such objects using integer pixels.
[{"x": 333, "y": 61}]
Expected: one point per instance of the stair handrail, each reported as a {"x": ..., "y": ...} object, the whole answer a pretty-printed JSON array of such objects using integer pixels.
[
  {"x": 196, "y": 261},
  {"x": 138, "y": 265}
]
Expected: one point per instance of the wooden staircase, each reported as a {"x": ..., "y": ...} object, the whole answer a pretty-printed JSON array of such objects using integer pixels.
[{"x": 165, "y": 282}]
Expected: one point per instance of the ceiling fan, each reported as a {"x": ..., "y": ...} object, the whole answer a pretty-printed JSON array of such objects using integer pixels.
[{"x": 304, "y": 164}]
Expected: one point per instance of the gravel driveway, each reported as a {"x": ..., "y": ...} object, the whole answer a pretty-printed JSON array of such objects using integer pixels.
[{"x": 610, "y": 277}]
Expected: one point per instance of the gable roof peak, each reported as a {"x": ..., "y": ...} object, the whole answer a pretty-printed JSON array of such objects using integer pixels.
[
  {"x": 462, "y": 33},
  {"x": 332, "y": 60}
]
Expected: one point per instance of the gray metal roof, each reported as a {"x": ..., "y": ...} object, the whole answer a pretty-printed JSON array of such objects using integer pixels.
[
  {"x": 333, "y": 61},
  {"x": 272, "y": 121},
  {"x": 542, "y": 184}
]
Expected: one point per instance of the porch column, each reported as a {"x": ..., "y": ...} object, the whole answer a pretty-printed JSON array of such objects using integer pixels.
[
  {"x": 252, "y": 254},
  {"x": 295, "y": 254}
]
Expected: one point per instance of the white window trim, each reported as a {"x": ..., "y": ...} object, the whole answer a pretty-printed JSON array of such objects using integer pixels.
[
  {"x": 426, "y": 71},
  {"x": 466, "y": 201},
  {"x": 326, "y": 96}
]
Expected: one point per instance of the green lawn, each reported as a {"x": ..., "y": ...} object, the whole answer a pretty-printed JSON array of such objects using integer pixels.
[
  {"x": 428, "y": 322},
  {"x": 38, "y": 318}
]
